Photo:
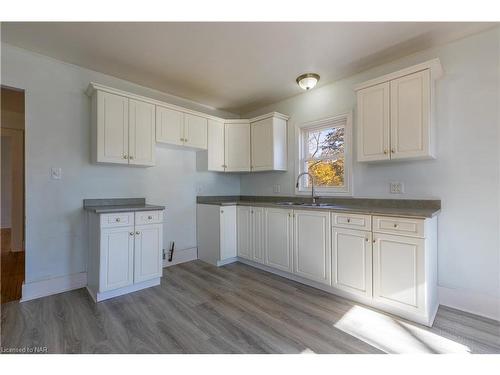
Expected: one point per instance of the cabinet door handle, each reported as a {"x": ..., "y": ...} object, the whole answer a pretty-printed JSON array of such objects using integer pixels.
[
  {"x": 366, "y": 239},
  {"x": 117, "y": 219},
  {"x": 393, "y": 150},
  {"x": 185, "y": 139},
  {"x": 131, "y": 157},
  {"x": 131, "y": 233},
  {"x": 150, "y": 217},
  {"x": 137, "y": 232},
  {"x": 125, "y": 156},
  {"x": 348, "y": 220},
  {"x": 385, "y": 151},
  {"x": 373, "y": 240},
  {"x": 395, "y": 225},
  {"x": 221, "y": 211}
]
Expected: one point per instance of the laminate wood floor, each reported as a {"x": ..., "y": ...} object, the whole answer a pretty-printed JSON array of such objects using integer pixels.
[
  {"x": 199, "y": 308},
  {"x": 11, "y": 269}
]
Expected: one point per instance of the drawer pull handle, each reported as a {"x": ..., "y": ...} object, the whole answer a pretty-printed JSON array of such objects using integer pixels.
[
  {"x": 395, "y": 225},
  {"x": 137, "y": 232},
  {"x": 366, "y": 239},
  {"x": 117, "y": 219},
  {"x": 150, "y": 217}
]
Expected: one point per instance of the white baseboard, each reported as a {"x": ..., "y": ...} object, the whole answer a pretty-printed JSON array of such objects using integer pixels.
[
  {"x": 479, "y": 304},
  {"x": 181, "y": 256},
  {"x": 56, "y": 285}
]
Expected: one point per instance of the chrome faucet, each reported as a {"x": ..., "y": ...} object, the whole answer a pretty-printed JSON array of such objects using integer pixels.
[{"x": 313, "y": 197}]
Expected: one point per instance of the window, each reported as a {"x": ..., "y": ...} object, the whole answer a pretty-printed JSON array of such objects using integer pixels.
[{"x": 325, "y": 152}]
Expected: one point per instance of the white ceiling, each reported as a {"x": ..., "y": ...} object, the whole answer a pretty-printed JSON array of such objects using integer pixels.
[{"x": 236, "y": 67}]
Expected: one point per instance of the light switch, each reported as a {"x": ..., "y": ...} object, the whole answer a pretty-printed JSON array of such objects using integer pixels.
[{"x": 55, "y": 173}]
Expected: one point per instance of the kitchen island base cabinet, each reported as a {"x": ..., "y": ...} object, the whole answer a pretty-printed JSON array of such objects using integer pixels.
[
  {"x": 124, "y": 254},
  {"x": 217, "y": 234}
]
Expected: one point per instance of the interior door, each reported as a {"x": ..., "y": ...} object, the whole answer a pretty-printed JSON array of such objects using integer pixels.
[
  {"x": 373, "y": 122},
  {"x": 258, "y": 230},
  {"x": 195, "y": 131},
  {"x": 148, "y": 252},
  {"x": 398, "y": 271},
  {"x": 262, "y": 145},
  {"x": 352, "y": 261},
  {"x": 215, "y": 146},
  {"x": 117, "y": 258},
  {"x": 169, "y": 126},
  {"x": 312, "y": 246},
  {"x": 141, "y": 133},
  {"x": 244, "y": 222},
  {"x": 237, "y": 147},
  {"x": 112, "y": 128},
  {"x": 278, "y": 238},
  {"x": 410, "y": 116}
]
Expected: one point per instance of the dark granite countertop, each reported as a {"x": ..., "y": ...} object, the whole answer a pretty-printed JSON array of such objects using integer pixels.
[
  {"x": 387, "y": 207},
  {"x": 103, "y": 206}
]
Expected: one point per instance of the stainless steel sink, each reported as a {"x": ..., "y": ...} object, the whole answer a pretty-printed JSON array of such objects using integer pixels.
[
  {"x": 304, "y": 204},
  {"x": 287, "y": 203}
]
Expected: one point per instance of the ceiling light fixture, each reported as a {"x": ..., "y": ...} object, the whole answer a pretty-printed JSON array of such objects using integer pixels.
[{"x": 308, "y": 80}]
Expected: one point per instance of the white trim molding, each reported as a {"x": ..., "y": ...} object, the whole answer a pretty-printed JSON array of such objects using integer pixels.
[
  {"x": 56, "y": 285},
  {"x": 474, "y": 303}
]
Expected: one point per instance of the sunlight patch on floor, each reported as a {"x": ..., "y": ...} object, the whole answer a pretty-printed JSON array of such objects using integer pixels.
[{"x": 393, "y": 335}]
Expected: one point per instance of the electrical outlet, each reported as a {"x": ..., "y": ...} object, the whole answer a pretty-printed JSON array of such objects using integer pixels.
[
  {"x": 55, "y": 173},
  {"x": 396, "y": 187},
  {"x": 277, "y": 188}
]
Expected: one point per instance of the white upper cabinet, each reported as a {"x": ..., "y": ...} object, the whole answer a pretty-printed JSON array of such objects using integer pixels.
[
  {"x": 169, "y": 126},
  {"x": 395, "y": 114},
  {"x": 216, "y": 146},
  {"x": 269, "y": 143},
  {"x": 237, "y": 146},
  {"x": 195, "y": 131},
  {"x": 410, "y": 116},
  {"x": 141, "y": 133},
  {"x": 110, "y": 128},
  {"x": 182, "y": 129},
  {"x": 373, "y": 123}
]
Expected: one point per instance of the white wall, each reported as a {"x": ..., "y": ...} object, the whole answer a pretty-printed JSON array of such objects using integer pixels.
[
  {"x": 6, "y": 203},
  {"x": 58, "y": 135},
  {"x": 465, "y": 175}
]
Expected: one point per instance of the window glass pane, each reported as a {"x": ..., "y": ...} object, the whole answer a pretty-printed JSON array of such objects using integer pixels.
[
  {"x": 325, "y": 143},
  {"x": 326, "y": 173}
]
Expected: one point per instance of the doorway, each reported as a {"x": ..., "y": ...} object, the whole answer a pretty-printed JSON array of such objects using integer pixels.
[{"x": 12, "y": 194}]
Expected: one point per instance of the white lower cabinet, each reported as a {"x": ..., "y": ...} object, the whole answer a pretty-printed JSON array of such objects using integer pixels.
[
  {"x": 117, "y": 258},
  {"x": 352, "y": 261},
  {"x": 244, "y": 235},
  {"x": 216, "y": 230},
  {"x": 399, "y": 271},
  {"x": 258, "y": 230},
  {"x": 278, "y": 239},
  {"x": 123, "y": 256},
  {"x": 311, "y": 245}
]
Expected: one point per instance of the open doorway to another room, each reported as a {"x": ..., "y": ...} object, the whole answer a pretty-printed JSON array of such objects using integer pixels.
[{"x": 12, "y": 193}]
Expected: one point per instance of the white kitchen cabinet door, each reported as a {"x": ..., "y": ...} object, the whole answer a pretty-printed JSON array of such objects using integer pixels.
[
  {"x": 116, "y": 258},
  {"x": 262, "y": 145},
  {"x": 215, "y": 146},
  {"x": 112, "y": 128},
  {"x": 352, "y": 261},
  {"x": 195, "y": 131},
  {"x": 141, "y": 133},
  {"x": 374, "y": 123},
  {"x": 148, "y": 252},
  {"x": 312, "y": 246},
  {"x": 398, "y": 271},
  {"x": 169, "y": 126},
  {"x": 244, "y": 223},
  {"x": 258, "y": 231},
  {"x": 410, "y": 116},
  {"x": 237, "y": 147},
  {"x": 278, "y": 238},
  {"x": 228, "y": 232}
]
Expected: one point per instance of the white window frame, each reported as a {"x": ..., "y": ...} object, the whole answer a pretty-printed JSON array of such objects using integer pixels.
[{"x": 345, "y": 190}]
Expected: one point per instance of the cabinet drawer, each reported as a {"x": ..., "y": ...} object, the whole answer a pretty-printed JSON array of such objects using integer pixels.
[
  {"x": 148, "y": 217},
  {"x": 399, "y": 226},
  {"x": 352, "y": 221},
  {"x": 120, "y": 219}
]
